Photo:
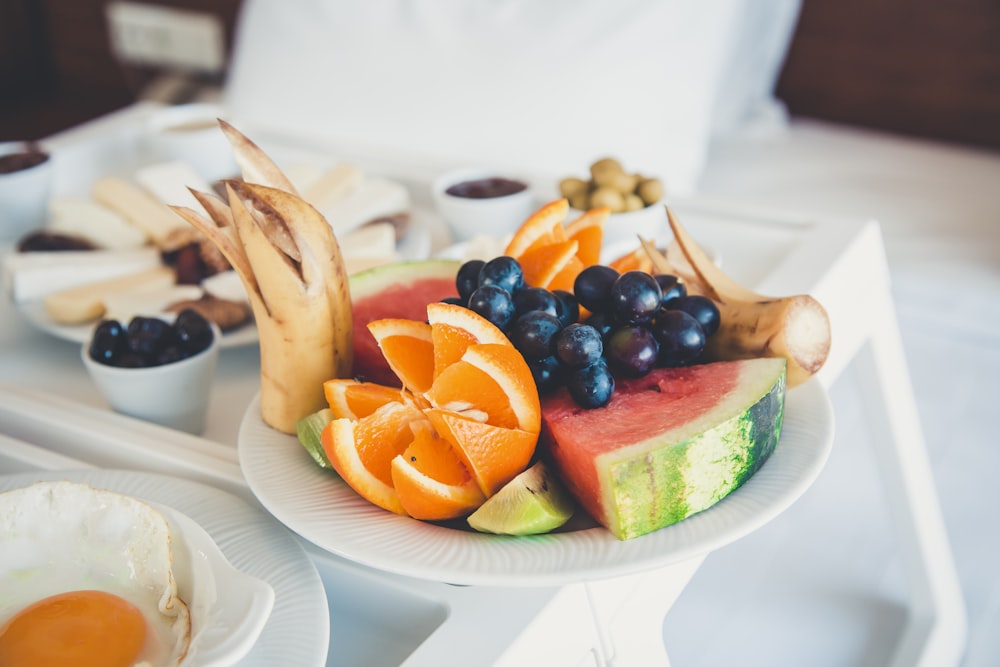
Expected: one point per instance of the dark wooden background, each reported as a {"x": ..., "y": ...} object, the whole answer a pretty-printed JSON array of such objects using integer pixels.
[{"x": 928, "y": 68}]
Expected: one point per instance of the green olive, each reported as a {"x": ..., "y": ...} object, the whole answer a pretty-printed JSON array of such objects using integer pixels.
[
  {"x": 569, "y": 187},
  {"x": 605, "y": 171},
  {"x": 605, "y": 196},
  {"x": 580, "y": 200},
  {"x": 624, "y": 183},
  {"x": 650, "y": 190},
  {"x": 633, "y": 202}
]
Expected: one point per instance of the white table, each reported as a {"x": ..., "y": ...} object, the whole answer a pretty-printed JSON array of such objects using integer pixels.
[{"x": 841, "y": 262}]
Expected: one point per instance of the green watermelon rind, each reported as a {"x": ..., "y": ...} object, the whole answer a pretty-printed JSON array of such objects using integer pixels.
[
  {"x": 376, "y": 279},
  {"x": 653, "y": 484}
]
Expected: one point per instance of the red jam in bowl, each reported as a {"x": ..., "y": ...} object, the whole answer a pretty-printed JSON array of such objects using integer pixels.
[
  {"x": 486, "y": 188},
  {"x": 14, "y": 162}
]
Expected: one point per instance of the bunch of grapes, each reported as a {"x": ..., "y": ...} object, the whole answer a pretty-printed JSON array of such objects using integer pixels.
[{"x": 637, "y": 322}]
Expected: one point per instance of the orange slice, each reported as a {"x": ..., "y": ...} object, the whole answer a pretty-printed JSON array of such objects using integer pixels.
[
  {"x": 541, "y": 265},
  {"x": 454, "y": 329},
  {"x": 504, "y": 392},
  {"x": 588, "y": 231},
  {"x": 431, "y": 481},
  {"x": 493, "y": 455},
  {"x": 543, "y": 226},
  {"x": 361, "y": 451},
  {"x": 567, "y": 275},
  {"x": 637, "y": 260},
  {"x": 408, "y": 347},
  {"x": 353, "y": 400}
]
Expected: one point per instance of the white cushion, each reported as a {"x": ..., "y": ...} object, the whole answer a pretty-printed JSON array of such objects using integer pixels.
[{"x": 543, "y": 88}]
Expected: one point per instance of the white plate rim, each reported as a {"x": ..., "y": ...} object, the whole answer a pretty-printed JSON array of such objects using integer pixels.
[
  {"x": 322, "y": 509},
  {"x": 298, "y": 629}
]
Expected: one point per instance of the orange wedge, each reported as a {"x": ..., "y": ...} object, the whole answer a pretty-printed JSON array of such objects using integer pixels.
[
  {"x": 361, "y": 451},
  {"x": 353, "y": 399},
  {"x": 431, "y": 481},
  {"x": 542, "y": 264},
  {"x": 454, "y": 329},
  {"x": 407, "y": 346},
  {"x": 552, "y": 254},
  {"x": 491, "y": 453},
  {"x": 637, "y": 260},
  {"x": 458, "y": 367},
  {"x": 543, "y": 226}
]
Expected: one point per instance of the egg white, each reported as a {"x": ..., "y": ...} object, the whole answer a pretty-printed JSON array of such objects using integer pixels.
[{"x": 65, "y": 536}]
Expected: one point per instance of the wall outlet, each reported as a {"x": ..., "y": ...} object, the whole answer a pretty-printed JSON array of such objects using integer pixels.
[{"x": 158, "y": 36}]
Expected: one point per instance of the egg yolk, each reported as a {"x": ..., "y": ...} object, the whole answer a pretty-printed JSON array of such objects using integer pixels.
[{"x": 82, "y": 628}]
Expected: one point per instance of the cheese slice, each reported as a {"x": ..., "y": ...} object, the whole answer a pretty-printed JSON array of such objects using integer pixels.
[
  {"x": 29, "y": 276},
  {"x": 138, "y": 207},
  {"x": 86, "y": 302},
  {"x": 98, "y": 224},
  {"x": 371, "y": 199},
  {"x": 169, "y": 183}
]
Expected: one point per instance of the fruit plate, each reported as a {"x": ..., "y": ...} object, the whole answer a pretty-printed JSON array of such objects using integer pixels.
[{"x": 317, "y": 505}]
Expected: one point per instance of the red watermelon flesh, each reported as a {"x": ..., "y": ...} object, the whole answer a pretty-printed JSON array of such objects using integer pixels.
[
  {"x": 667, "y": 445},
  {"x": 401, "y": 289}
]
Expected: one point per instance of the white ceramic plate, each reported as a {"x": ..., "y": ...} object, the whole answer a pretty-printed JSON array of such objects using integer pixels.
[
  {"x": 320, "y": 507},
  {"x": 297, "y": 632},
  {"x": 416, "y": 245}
]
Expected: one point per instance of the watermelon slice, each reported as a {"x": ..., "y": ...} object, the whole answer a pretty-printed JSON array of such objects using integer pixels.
[
  {"x": 667, "y": 445},
  {"x": 401, "y": 289}
]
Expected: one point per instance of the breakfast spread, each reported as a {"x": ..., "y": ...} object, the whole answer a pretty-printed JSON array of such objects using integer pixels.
[
  {"x": 30, "y": 156},
  {"x": 87, "y": 576},
  {"x": 486, "y": 188}
]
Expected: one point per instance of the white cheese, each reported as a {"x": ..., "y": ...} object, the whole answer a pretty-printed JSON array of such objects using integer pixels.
[
  {"x": 29, "y": 276},
  {"x": 98, "y": 224},
  {"x": 85, "y": 303}
]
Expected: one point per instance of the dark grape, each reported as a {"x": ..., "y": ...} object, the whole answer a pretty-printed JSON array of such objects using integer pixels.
[
  {"x": 632, "y": 350},
  {"x": 467, "y": 279},
  {"x": 579, "y": 345},
  {"x": 603, "y": 321},
  {"x": 494, "y": 303},
  {"x": 569, "y": 307},
  {"x": 148, "y": 335},
  {"x": 700, "y": 308},
  {"x": 671, "y": 287},
  {"x": 534, "y": 333},
  {"x": 591, "y": 386},
  {"x": 169, "y": 355},
  {"x": 548, "y": 373},
  {"x": 108, "y": 342},
  {"x": 528, "y": 299},
  {"x": 592, "y": 287},
  {"x": 680, "y": 336},
  {"x": 502, "y": 271},
  {"x": 635, "y": 297},
  {"x": 193, "y": 332}
]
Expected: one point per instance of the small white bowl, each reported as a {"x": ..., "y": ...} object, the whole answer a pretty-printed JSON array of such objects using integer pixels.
[
  {"x": 175, "y": 395},
  {"x": 24, "y": 195},
  {"x": 649, "y": 222},
  {"x": 190, "y": 133},
  {"x": 228, "y": 607},
  {"x": 493, "y": 216}
]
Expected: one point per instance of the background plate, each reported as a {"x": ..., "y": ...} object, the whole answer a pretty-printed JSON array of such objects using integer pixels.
[
  {"x": 297, "y": 632},
  {"x": 320, "y": 507}
]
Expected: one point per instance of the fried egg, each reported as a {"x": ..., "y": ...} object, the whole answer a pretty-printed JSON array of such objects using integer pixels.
[{"x": 86, "y": 577}]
